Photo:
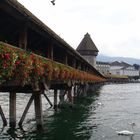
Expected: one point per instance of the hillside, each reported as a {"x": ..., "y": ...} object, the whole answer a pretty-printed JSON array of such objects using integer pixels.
[{"x": 105, "y": 58}]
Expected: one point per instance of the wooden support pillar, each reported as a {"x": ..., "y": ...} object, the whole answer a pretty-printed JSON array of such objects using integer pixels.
[
  {"x": 50, "y": 51},
  {"x": 72, "y": 91},
  {"x": 78, "y": 90},
  {"x": 75, "y": 90},
  {"x": 70, "y": 96},
  {"x": 3, "y": 117},
  {"x": 26, "y": 110},
  {"x": 38, "y": 109},
  {"x": 84, "y": 94},
  {"x": 12, "y": 109},
  {"x": 46, "y": 89},
  {"x": 55, "y": 98},
  {"x": 61, "y": 96},
  {"x": 74, "y": 63},
  {"x": 84, "y": 67},
  {"x": 47, "y": 98},
  {"x": 23, "y": 37},
  {"x": 79, "y": 66},
  {"x": 65, "y": 59}
]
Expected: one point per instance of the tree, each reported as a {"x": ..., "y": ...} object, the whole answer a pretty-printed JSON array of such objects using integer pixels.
[{"x": 137, "y": 67}]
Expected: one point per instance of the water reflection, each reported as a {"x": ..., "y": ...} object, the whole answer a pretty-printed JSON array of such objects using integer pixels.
[
  {"x": 12, "y": 132},
  {"x": 58, "y": 124}
]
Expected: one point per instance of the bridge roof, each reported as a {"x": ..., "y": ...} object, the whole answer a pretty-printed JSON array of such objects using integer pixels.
[{"x": 20, "y": 12}]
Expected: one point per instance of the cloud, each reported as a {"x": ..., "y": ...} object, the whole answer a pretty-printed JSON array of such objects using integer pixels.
[{"x": 113, "y": 25}]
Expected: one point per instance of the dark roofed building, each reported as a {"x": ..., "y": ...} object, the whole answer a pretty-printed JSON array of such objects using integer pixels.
[
  {"x": 116, "y": 63},
  {"x": 88, "y": 49}
]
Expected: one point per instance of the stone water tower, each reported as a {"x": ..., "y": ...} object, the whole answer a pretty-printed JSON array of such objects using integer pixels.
[{"x": 88, "y": 49}]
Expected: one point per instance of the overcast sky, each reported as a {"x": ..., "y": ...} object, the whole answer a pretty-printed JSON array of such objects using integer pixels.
[{"x": 114, "y": 25}]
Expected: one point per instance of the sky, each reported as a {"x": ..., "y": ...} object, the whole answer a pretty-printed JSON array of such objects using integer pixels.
[{"x": 114, "y": 25}]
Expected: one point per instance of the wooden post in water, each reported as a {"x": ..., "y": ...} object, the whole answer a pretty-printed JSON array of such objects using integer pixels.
[
  {"x": 79, "y": 90},
  {"x": 55, "y": 98},
  {"x": 38, "y": 109},
  {"x": 70, "y": 96},
  {"x": 3, "y": 117},
  {"x": 84, "y": 91},
  {"x": 75, "y": 91},
  {"x": 72, "y": 93},
  {"x": 61, "y": 96},
  {"x": 12, "y": 109}
]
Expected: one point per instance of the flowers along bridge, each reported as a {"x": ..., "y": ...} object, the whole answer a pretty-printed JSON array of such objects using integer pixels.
[{"x": 33, "y": 59}]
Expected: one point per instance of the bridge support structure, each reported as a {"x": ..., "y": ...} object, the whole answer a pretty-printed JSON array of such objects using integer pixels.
[
  {"x": 38, "y": 109},
  {"x": 12, "y": 109},
  {"x": 80, "y": 90},
  {"x": 3, "y": 117},
  {"x": 66, "y": 97},
  {"x": 55, "y": 98}
]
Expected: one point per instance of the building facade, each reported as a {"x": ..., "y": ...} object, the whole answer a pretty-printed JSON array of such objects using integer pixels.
[
  {"x": 117, "y": 68},
  {"x": 103, "y": 67},
  {"x": 122, "y": 68}
]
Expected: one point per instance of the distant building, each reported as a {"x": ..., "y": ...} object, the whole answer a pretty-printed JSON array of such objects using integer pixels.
[
  {"x": 103, "y": 67},
  {"x": 117, "y": 68},
  {"x": 122, "y": 68},
  {"x": 88, "y": 49}
]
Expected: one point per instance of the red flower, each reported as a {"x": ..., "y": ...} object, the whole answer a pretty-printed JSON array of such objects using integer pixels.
[
  {"x": 5, "y": 65},
  {"x": 7, "y": 56},
  {"x": 17, "y": 62},
  {"x": 2, "y": 56}
]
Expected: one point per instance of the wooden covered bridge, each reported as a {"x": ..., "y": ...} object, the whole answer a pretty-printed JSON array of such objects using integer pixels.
[{"x": 33, "y": 58}]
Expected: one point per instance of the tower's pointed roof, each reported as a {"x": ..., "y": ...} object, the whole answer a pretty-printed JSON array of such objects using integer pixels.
[{"x": 87, "y": 44}]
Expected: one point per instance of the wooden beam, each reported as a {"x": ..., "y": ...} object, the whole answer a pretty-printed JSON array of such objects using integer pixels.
[
  {"x": 3, "y": 117},
  {"x": 55, "y": 98},
  {"x": 12, "y": 109},
  {"x": 75, "y": 90},
  {"x": 11, "y": 11},
  {"x": 65, "y": 60},
  {"x": 84, "y": 90},
  {"x": 50, "y": 51},
  {"x": 61, "y": 96},
  {"x": 74, "y": 63},
  {"x": 47, "y": 99},
  {"x": 26, "y": 110},
  {"x": 69, "y": 94},
  {"x": 79, "y": 90},
  {"x": 23, "y": 37},
  {"x": 46, "y": 89}
]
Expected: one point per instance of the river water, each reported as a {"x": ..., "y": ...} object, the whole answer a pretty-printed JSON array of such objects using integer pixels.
[{"x": 109, "y": 109}]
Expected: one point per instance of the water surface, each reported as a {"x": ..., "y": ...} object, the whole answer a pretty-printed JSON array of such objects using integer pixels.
[{"x": 97, "y": 117}]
